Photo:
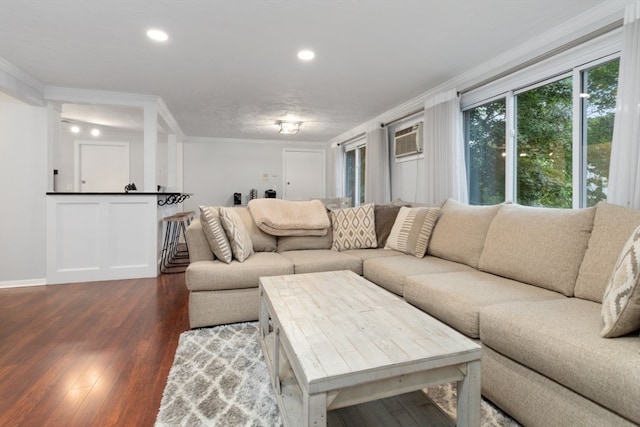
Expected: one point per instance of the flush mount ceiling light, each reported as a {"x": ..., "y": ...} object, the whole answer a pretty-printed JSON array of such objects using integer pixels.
[
  {"x": 288, "y": 128},
  {"x": 75, "y": 129},
  {"x": 95, "y": 132},
  {"x": 306, "y": 55},
  {"x": 157, "y": 35}
]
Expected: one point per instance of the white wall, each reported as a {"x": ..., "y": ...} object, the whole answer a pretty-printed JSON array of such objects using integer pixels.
[
  {"x": 215, "y": 168},
  {"x": 23, "y": 176}
]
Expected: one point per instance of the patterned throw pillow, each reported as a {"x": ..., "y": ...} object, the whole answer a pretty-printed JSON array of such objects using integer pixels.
[
  {"x": 218, "y": 242},
  {"x": 241, "y": 244},
  {"x": 354, "y": 228},
  {"x": 412, "y": 229},
  {"x": 621, "y": 302}
]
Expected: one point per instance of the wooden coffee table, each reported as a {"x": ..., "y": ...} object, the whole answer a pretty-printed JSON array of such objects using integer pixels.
[{"x": 334, "y": 339}]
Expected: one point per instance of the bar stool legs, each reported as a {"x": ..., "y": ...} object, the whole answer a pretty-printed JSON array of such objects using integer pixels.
[{"x": 175, "y": 256}]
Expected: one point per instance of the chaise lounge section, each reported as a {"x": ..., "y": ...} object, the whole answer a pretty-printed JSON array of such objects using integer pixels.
[{"x": 527, "y": 283}]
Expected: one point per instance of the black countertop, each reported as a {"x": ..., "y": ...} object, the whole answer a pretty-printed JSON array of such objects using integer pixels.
[{"x": 163, "y": 198}]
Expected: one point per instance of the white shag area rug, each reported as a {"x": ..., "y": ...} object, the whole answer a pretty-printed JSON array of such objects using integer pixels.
[{"x": 219, "y": 378}]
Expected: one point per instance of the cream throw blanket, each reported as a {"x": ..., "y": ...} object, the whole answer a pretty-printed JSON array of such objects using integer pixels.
[{"x": 286, "y": 218}]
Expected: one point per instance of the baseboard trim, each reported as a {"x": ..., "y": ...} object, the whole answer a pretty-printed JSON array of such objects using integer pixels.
[{"x": 22, "y": 283}]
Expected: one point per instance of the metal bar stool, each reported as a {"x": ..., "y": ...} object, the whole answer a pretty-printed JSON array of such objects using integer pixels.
[{"x": 175, "y": 259}]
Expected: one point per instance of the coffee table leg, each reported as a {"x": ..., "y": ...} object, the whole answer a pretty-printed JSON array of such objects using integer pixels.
[
  {"x": 314, "y": 410},
  {"x": 263, "y": 316},
  {"x": 469, "y": 397}
]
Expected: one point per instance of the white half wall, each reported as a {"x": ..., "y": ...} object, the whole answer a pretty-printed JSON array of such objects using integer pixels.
[
  {"x": 23, "y": 172},
  {"x": 215, "y": 168}
]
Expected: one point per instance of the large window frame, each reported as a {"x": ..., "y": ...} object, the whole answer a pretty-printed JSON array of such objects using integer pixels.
[
  {"x": 355, "y": 172},
  {"x": 571, "y": 64}
]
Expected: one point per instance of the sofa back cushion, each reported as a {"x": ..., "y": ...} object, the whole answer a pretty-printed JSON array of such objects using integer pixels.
[
  {"x": 262, "y": 242},
  {"x": 612, "y": 227},
  {"x": 460, "y": 232},
  {"x": 539, "y": 246},
  {"x": 297, "y": 243}
]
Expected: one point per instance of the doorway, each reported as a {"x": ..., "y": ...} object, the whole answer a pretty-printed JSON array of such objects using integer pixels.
[
  {"x": 304, "y": 174},
  {"x": 101, "y": 166}
]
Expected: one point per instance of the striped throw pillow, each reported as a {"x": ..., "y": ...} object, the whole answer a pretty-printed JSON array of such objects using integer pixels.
[
  {"x": 239, "y": 237},
  {"x": 412, "y": 229},
  {"x": 213, "y": 231}
]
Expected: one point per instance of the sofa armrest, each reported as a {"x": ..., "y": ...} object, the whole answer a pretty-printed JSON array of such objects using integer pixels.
[{"x": 199, "y": 249}]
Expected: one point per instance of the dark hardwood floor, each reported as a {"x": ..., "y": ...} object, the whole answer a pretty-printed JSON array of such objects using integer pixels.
[{"x": 89, "y": 354}]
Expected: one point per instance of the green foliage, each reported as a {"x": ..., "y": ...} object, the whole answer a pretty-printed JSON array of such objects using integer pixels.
[
  {"x": 485, "y": 127},
  {"x": 544, "y": 140},
  {"x": 544, "y": 145}
]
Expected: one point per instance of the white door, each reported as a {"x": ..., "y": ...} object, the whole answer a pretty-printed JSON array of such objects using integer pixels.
[
  {"x": 304, "y": 174},
  {"x": 101, "y": 166}
]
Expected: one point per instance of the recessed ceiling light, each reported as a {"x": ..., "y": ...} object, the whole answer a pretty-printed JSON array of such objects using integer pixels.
[
  {"x": 157, "y": 35},
  {"x": 75, "y": 129},
  {"x": 306, "y": 55},
  {"x": 95, "y": 132}
]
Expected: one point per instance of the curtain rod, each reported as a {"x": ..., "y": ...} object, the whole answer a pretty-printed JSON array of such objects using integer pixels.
[
  {"x": 560, "y": 49},
  {"x": 413, "y": 113},
  {"x": 353, "y": 138}
]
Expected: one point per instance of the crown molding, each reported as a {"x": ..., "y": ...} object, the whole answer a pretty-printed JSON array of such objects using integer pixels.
[
  {"x": 223, "y": 140},
  {"x": 164, "y": 112},
  {"x": 20, "y": 84},
  {"x": 591, "y": 23},
  {"x": 89, "y": 96}
]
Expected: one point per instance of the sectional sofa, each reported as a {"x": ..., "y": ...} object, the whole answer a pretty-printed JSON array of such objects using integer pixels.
[{"x": 527, "y": 283}]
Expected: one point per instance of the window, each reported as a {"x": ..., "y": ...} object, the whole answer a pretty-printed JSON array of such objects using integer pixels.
[
  {"x": 544, "y": 126},
  {"x": 355, "y": 172},
  {"x": 558, "y": 153},
  {"x": 485, "y": 152},
  {"x": 598, "y": 98}
]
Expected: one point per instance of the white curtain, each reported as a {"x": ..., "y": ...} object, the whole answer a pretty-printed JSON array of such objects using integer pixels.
[
  {"x": 624, "y": 169},
  {"x": 444, "y": 164},
  {"x": 334, "y": 172},
  {"x": 377, "y": 181}
]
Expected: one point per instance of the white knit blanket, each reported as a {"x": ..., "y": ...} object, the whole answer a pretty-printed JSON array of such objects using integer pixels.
[{"x": 287, "y": 218}]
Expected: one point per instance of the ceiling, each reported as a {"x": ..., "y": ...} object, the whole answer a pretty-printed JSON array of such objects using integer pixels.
[{"x": 229, "y": 68}]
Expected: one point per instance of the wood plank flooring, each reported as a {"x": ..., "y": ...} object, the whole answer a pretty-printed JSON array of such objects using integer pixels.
[{"x": 89, "y": 354}]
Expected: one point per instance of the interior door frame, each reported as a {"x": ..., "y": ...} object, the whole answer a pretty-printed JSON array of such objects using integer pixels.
[
  {"x": 307, "y": 150},
  {"x": 76, "y": 157}
]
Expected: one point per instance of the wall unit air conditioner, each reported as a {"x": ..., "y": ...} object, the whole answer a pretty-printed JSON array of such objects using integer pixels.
[{"x": 408, "y": 141}]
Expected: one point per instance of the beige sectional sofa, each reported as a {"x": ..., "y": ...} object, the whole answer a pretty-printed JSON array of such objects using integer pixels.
[{"x": 527, "y": 283}]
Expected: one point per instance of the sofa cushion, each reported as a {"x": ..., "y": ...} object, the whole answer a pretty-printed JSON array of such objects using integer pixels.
[
  {"x": 612, "y": 226},
  {"x": 391, "y": 272},
  {"x": 216, "y": 275},
  {"x": 296, "y": 243},
  {"x": 216, "y": 236},
  {"x": 354, "y": 228},
  {"x": 561, "y": 340},
  {"x": 385, "y": 216},
  {"x": 199, "y": 248},
  {"x": 621, "y": 303},
  {"x": 412, "y": 229},
  {"x": 315, "y": 260},
  {"x": 456, "y": 298},
  {"x": 239, "y": 238},
  {"x": 262, "y": 242},
  {"x": 365, "y": 254},
  {"x": 539, "y": 246},
  {"x": 460, "y": 232}
]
